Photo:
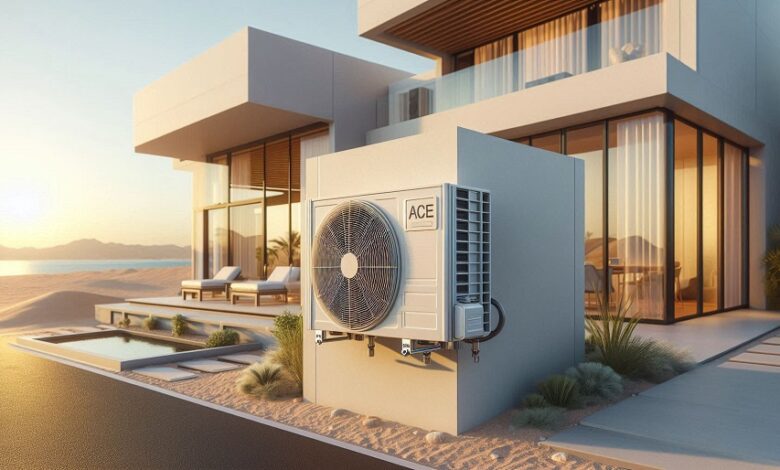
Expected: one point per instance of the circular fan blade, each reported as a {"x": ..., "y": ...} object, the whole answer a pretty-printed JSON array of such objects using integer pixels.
[{"x": 356, "y": 300}]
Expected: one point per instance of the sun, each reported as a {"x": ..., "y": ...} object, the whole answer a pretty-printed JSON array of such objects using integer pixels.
[{"x": 21, "y": 204}]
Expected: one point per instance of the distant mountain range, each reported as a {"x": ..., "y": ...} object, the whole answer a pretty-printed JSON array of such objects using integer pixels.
[{"x": 95, "y": 249}]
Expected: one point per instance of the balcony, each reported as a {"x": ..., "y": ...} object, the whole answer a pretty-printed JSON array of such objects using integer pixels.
[{"x": 568, "y": 46}]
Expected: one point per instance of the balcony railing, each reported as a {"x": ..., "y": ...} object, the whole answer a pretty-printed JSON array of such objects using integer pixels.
[{"x": 571, "y": 51}]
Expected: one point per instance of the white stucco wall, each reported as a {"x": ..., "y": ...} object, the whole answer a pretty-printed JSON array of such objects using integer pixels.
[{"x": 536, "y": 272}]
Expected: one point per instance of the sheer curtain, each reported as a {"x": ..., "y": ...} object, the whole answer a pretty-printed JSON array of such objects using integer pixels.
[
  {"x": 732, "y": 226},
  {"x": 629, "y": 29},
  {"x": 559, "y": 46},
  {"x": 494, "y": 69},
  {"x": 636, "y": 211}
]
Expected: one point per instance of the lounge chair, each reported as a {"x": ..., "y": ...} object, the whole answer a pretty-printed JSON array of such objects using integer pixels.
[
  {"x": 219, "y": 283},
  {"x": 282, "y": 281}
]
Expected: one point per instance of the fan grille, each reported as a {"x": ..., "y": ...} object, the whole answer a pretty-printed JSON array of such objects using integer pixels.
[{"x": 356, "y": 265}]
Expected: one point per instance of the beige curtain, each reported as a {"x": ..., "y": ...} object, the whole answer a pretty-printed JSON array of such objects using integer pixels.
[
  {"x": 629, "y": 29},
  {"x": 636, "y": 211},
  {"x": 732, "y": 226},
  {"x": 494, "y": 69},
  {"x": 557, "y": 47}
]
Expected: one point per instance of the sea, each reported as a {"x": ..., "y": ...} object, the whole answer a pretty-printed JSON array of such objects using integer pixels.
[{"x": 59, "y": 266}]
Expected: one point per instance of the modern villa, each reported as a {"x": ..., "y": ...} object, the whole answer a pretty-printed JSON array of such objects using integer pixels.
[{"x": 666, "y": 109}]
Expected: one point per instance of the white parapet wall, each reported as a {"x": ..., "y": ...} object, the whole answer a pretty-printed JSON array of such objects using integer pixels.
[{"x": 537, "y": 274}]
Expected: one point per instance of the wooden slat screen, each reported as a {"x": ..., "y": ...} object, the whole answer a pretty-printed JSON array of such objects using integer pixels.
[{"x": 458, "y": 25}]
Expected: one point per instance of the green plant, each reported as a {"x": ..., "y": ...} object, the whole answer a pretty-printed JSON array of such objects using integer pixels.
[
  {"x": 288, "y": 330},
  {"x": 772, "y": 267},
  {"x": 535, "y": 400},
  {"x": 150, "y": 323},
  {"x": 596, "y": 380},
  {"x": 280, "y": 248},
  {"x": 612, "y": 335},
  {"x": 178, "y": 325},
  {"x": 662, "y": 362},
  {"x": 260, "y": 380},
  {"x": 560, "y": 390},
  {"x": 124, "y": 322},
  {"x": 543, "y": 418},
  {"x": 226, "y": 337}
]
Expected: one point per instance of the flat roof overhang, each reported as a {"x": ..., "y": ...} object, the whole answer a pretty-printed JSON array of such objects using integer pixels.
[
  {"x": 445, "y": 27},
  {"x": 251, "y": 86},
  {"x": 657, "y": 81}
]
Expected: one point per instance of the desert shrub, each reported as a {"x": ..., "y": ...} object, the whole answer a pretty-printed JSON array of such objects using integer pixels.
[
  {"x": 288, "y": 330},
  {"x": 150, "y": 323},
  {"x": 662, "y": 362},
  {"x": 548, "y": 418},
  {"x": 178, "y": 325},
  {"x": 560, "y": 390},
  {"x": 772, "y": 268},
  {"x": 534, "y": 400},
  {"x": 596, "y": 381},
  {"x": 124, "y": 322},
  {"x": 612, "y": 334},
  {"x": 226, "y": 337},
  {"x": 260, "y": 380}
]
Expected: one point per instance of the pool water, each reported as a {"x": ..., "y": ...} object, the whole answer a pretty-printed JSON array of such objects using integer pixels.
[{"x": 123, "y": 346}]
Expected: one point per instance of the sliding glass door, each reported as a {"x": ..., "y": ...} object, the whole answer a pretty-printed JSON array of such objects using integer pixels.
[
  {"x": 733, "y": 202},
  {"x": 672, "y": 239},
  {"x": 636, "y": 208},
  {"x": 711, "y": 222},
  {"x": 686, "y": 220}
]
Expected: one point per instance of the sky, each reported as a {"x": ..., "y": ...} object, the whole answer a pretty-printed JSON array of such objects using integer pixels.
[{"x": 68, "y": 72}]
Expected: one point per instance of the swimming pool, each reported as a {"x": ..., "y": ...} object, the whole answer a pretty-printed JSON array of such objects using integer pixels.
[
  {"x": 118, "y": 350},
  {"x": 123, "y": 345}
]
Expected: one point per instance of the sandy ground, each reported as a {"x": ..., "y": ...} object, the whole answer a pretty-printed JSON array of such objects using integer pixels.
[
  {"x": 519, "y": 448},
  {"x": 37, "y": 301}
]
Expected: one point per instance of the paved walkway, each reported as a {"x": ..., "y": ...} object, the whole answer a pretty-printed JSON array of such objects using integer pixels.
[
  {"x": 723, "y": 414},
  {"x": 709, "y": 337}
]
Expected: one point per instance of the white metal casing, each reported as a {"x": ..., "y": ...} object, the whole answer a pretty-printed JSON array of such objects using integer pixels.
[{"x": 430, "y": 283}]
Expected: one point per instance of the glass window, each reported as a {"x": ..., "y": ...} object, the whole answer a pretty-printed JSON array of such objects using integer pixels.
[
  {"x": 210, "y": 182},
  {"x": 551, "y": 142},
  {"x": 732, "y": 226},
  {"x": 217, "y": 241},
  {"x": 588, "y": 144},
  {"x": 629, "y": 30},
  {"x": 554, "y": 50},
  {"x": 247, "y": 173},
  {"x": 636, "y": 212},
  {"x": 246, "y": 239},
  {"x": 295, "y": 199},
  {"x": 686, "y": 220},
  {"x": 710, "y": 215},
  {"x": 277, "y": 204}
]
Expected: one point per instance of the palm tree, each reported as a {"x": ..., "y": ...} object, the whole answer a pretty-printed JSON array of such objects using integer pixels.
[{"x": 279, "y": 248}]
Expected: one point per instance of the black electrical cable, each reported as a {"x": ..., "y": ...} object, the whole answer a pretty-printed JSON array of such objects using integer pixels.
[{"x": 499, "y": 327}]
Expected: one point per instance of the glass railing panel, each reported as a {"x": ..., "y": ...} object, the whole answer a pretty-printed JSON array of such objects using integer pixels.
[{"x": 547, "y": 53}]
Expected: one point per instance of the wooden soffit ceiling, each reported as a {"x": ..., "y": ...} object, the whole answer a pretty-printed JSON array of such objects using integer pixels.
[{"x": 457, "y": 25}]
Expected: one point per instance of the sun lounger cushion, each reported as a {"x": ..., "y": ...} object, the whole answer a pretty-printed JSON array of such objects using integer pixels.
[
  {"x": 256, "y": 286},
  {"x": 228, "y": 273},
  {"x": 280, "y": 274},
  {"x": 203, "y": 283}
]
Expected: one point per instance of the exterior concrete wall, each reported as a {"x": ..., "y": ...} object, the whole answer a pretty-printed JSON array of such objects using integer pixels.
[
  {"x": 536, "y": 273},
  {"x": 254, "y": 85}
]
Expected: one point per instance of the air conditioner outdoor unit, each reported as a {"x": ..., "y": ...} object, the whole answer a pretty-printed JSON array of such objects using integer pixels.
[
  {"x": 411, "y": 264},
  {"x": 416, "y": 103}
]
